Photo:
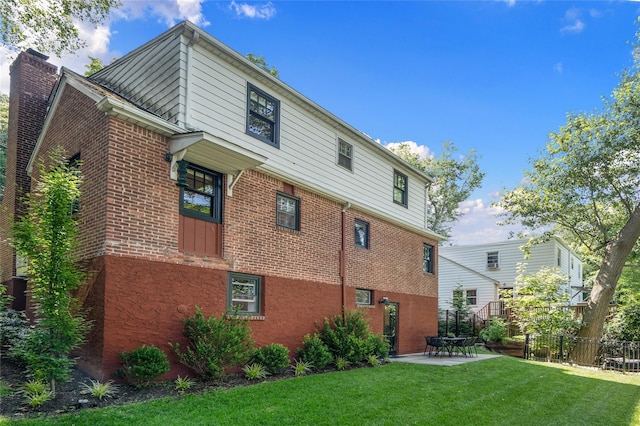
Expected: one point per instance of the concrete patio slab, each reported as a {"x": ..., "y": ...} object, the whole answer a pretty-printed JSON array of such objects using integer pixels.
[{"x": 445, "y": 360}]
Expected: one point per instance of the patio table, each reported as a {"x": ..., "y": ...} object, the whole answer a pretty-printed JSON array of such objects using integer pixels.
[{"x": 453, "y": 342}]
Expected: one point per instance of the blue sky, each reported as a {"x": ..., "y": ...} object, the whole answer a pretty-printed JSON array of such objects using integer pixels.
[{"x": 496, "y": 76}]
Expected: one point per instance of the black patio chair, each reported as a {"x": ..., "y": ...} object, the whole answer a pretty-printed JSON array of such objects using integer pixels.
[
  {"x": 470, "y": 345},
  {"x": 459, "y": 345},
  {"x": 433, "y": 343}
]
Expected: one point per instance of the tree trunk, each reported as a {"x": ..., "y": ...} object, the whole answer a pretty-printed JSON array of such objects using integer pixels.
[{"x": 615, "y": 255}]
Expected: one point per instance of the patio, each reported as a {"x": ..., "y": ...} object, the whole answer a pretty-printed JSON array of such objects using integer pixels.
[{"x": 445, "y": 360}]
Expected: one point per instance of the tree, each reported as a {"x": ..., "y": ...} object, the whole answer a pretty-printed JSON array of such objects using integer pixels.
[
  {"x": 46, "y": 237},
  {"x": 538, "y": 303},
  {"x": 4, "y": 135},
  {"x": 454, "y": 181},
  {"x": 625, "y": 324},
  {"x": 259, "y": 61},
  {"x": 586, "y": 186},
  {"x": 94, "y": 66},
  {"x": 49, "y": 25}
]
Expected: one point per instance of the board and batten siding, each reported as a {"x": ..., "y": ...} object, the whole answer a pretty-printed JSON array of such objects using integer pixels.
[
  {"x": 474, "y": 257},
  {"x": 217, "y": 93}
]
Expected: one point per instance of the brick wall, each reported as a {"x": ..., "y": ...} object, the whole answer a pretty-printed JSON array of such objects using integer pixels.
[
  {"x": 144, "y": 302},
  {"x": 393, "y": 261},
  {"x": 78, "y": 127},
  {"x": 32, "y": 79},
  {"x": 254, "y": 244},
  {"x": 142, "y": 201}
]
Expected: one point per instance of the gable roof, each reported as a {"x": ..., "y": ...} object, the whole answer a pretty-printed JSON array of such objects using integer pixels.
[
  {"x": 471, "y": 270},
  {"x": 165, "y": 61}
]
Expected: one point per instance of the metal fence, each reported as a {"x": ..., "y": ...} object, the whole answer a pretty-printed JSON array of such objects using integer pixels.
[
  {"x": 602, "y": 353},
  {"x": 458, "y": 323}
]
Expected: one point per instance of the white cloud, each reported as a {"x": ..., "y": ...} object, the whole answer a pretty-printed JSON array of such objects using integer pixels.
[
  {"x": 265, "y": 11},
  {"x": 479, "y": 224},
  {"x": 168, "y": 12},
  {"x": 98, "y": 39},
  {"x": 574, "y": 22},
  {"x": 422, "y": 151},
  {"x": 6, "y": 58}
]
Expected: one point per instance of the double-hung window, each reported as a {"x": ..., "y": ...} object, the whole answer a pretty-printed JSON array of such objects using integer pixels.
[
  {"x": 399, "y": 188},
  {"x": 427, "y": 260},
  {"x": 202, "y": 197},
  {"x": 472, "y": 297},
  {"x": 345, "y": 154},
  {"x": 244, "y": 293},
  {"x": 361, "y": 233},
  {"x": 263, "y": 116},
  {"x": 493, "y": 260},
  {"x": 287, "y": 211},
  {"x": 74, "y": 164}
]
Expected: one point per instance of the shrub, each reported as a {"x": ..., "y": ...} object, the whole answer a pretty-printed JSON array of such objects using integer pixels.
[
  {"x": 495, "y": 331},
  {"x": 315, "y": 352},
  {"x": 5, "y": 390},
  {"x": 300, "y": 368},
  {"x": 373, "y": 361},
  {"x": 215, "y": 344},
  {"x": 33, "y": 387},
  {"x": 273, "y": 357},
  {"x": 14, "y": 334},
  {"x": 378, "y": 346},
  {"x": 36, "y": 393},
  {"x": 342, "y": 363},
  {"x": 625, "y": 324},
  {"x": 255, "y": 371},
  {"x": 348, "y": 336},
  {"x": 37, "y": 399},
  {"x": 183, "y": 384},
  {"x": 141, "y": 366},
  {"x": 101, "y": 390}
]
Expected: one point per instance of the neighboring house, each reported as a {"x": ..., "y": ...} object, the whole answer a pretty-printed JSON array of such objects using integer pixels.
[
  {"x": 481, "y": 271},
  {"x": 208, "y": 182}
]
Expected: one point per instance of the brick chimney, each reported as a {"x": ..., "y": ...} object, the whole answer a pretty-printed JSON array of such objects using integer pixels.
[{"x": 32, "y": 79}]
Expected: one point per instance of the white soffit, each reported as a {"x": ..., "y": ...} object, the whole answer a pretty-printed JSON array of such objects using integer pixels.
[{"x": 209, "y": 151}]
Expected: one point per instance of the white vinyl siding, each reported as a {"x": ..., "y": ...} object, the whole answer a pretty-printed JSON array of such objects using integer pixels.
[
  {"x": 307, "y": 151},
  {"x": 451, "y": 276},
  {"x": 467, "y": 266}
]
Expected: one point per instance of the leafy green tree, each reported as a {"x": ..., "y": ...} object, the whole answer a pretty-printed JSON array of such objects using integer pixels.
[
  {"x": 587, "y": 186},
  {"x": 49, "y": 25},
  {"x": 94, "y": 66},
  {"x": 259, "y": 61},
  {"x": 625, "y": 324},
  {"x": 46, "y": 237},
  {"x": 628, "y": 286},
  {"x": 4, "y": 134},
  {"x": 539, "y": 304},
  {"x": 455, "y": 178}
]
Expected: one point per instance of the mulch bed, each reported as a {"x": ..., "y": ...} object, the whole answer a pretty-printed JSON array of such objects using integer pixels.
[{"x": 72, "y": 396}]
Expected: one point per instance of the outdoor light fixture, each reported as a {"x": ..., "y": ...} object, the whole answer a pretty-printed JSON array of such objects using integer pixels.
[
  {"x": 182, "y": 174},
  {"x": 384, "y": 301}
]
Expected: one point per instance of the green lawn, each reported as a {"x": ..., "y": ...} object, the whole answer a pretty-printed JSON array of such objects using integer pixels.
[{"x": 499, "y": 391}]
